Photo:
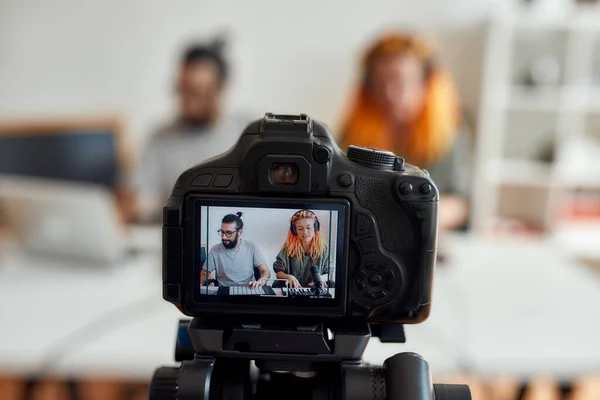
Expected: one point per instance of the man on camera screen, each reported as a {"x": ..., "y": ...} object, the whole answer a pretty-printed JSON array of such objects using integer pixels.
[{"x": 233, "y": 260}]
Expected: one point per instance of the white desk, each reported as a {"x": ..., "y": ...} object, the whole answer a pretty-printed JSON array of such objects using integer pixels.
[
  {"x": 517, "y": 308},
  {"x": 498, "y": 308}
]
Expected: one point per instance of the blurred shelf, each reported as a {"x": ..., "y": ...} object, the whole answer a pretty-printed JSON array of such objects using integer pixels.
[
  {"x": 522, "y": 122},
  {"x": 583, "y": 180},
  {"x": 554, "y": 98},
  {"x": 519, "y": 172},
  {"x": 512, "y": 229},
  {"x": 579, "y": 164},
  {"x": 585, "y": 17},
  {"x": 535, "y": 99},
  {"x": 575, "y": 18},
  {"x": 579, "y": 239},
  {"x": 593, "y": 99}
]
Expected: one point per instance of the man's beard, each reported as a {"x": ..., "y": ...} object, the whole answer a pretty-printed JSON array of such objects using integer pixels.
[
  {"x": 231, "y": 244},
  {"x": 201, "y": 121},
  {"x": 198, "y": 122}
]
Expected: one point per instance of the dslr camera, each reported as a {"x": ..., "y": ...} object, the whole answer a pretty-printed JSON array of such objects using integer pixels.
[{"x": 289, "y": 254}]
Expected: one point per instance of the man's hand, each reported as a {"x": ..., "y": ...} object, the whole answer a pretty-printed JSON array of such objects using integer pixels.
[
  {"x": 293, "y": 282},
  {"x": 204, "y": 277},
  {"x": 255, "y": 284}
]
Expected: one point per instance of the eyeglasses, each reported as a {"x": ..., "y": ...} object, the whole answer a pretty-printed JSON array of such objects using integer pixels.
[{"x": 227, "y": 234}]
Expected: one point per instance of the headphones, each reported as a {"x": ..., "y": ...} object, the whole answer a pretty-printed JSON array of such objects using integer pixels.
[{"x": 293, "y": 227}]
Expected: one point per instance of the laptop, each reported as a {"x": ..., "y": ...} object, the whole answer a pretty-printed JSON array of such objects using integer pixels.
[{"x": 62, "y": 219}]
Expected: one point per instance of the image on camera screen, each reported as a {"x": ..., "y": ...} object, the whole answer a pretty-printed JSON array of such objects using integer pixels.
[{"x": 277, "y": 252}]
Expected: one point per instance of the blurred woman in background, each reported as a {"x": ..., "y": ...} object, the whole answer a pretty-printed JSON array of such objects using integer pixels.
[{"x": 407, "y": 103}]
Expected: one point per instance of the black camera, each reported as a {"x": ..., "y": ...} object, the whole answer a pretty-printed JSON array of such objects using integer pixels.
[
  {"x": 377, "y": 216},
  {"x": 289, "y": 253}
]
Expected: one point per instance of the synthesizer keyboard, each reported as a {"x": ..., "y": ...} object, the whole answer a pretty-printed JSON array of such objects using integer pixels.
[
  {"x": 308, "y": 292},
  {"x": 246, "y": 291}
]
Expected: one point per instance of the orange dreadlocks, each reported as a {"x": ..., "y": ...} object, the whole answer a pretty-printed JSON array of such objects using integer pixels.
[
  {"x": 293, "y": 243},
  {"x": 431, "y": 134}
]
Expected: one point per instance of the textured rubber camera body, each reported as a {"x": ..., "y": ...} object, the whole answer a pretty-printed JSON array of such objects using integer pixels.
[{"x": 390, "y": 214}]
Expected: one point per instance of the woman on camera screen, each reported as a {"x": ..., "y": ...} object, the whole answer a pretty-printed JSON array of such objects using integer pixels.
[{"x": 304, "y": 254}]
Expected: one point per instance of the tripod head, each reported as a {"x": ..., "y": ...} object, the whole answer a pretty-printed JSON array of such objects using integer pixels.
[{"x": 302, "y": 362}]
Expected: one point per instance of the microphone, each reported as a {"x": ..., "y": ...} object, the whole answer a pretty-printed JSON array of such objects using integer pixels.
[{"x": 317, "y": 282}]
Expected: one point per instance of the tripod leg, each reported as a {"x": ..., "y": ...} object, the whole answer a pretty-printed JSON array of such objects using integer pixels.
[
  {"x": 404, "y": 376},
  {"x": 408, "y": 377},
  {"x": 231, "y": 380},
  {"x": 360, "y": 383},
  {"x": 194, "y": 379}
]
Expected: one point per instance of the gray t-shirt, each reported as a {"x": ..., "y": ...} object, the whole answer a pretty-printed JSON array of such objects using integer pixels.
[
  {"x": 172, "y": 150},
  {"x": 234, "y": 266}
]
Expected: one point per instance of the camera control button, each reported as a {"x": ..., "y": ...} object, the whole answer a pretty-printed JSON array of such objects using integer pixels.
[
  {"x": 223, "y": 180},
  {"x": 375, "y": 266},
  {"x": 370, "y": 294},
  {"x": 405, "y": 188},
  {"x": 360, "y": 284},
  {"x": 363, "y": 226},
  {"x": 426, "y": 188},
  {"x": 367, "y": 245},
  {"x": 375, "y": 280},
  {"x": 172, "y": 292},
  {"x": 202, "y": 180},
  {"x": 389, "y": 280},
  {"x": 322, "y": 154},
  {"x": 380, "y": 294},
  {"x": 345, "y": 180},
  {"x": 361, "y": 274}
]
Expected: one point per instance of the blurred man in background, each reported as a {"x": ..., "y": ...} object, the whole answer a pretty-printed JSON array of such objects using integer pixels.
[{"x": 201, "y": 130}]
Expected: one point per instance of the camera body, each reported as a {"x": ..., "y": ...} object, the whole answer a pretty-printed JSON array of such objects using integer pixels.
[{"x": 382, "y": 224}]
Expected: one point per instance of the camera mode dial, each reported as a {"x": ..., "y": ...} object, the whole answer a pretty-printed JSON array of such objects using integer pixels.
[{"x": 372, "y": 158}]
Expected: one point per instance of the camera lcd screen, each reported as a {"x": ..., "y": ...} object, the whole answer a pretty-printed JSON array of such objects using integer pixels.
[{"x": 275, "y": 252}]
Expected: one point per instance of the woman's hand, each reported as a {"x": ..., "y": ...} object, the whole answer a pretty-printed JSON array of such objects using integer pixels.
[
  {"x": 323, "y": 282},
  {"x": 293, "y": 282}
]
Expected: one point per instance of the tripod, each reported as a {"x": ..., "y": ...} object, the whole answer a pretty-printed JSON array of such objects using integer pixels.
[{"x": 293, "y": 362}]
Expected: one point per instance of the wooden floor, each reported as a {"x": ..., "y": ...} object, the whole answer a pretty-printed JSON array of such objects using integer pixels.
[
  {"x": 16, "y": 388},
  {"x": 541, "y": 388}
]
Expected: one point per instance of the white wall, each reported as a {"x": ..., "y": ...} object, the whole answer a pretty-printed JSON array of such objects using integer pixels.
[
  {"x": 267, "y": 228},
  {"x": 71, "y": 56}
]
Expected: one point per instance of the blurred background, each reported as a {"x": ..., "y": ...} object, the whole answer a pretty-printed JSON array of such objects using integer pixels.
[{"x": 103, "y": 104}]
